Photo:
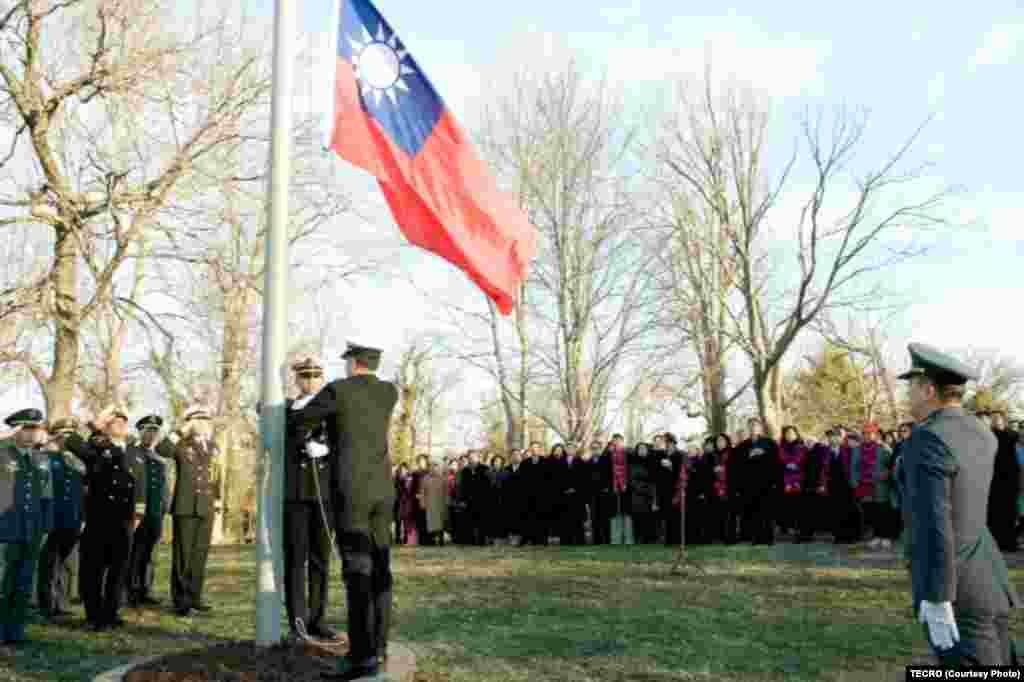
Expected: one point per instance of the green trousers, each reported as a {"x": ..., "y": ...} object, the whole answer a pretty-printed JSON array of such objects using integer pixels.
[{"x": 19, "y": 571}]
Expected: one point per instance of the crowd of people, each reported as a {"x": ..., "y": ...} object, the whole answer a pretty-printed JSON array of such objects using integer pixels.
[{"x": 744, "y": 488}]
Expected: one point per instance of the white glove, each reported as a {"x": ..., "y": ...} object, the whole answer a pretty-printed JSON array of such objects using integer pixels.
[
  {"x": 667, "y": 463},
  {"x": 316, "y": 450},
  {"x": 941, "y": 624}
]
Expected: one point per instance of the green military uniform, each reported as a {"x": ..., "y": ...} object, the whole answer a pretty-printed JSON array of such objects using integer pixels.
[
  {"x": 24, "y": 481},
  {"x": 152, "y": 503},
  {"x": 358, "y": 413},
  {"x": 307, "y": 509},
  {"x": 196, "y": 496},
  {"x": 948, "y": 465}
]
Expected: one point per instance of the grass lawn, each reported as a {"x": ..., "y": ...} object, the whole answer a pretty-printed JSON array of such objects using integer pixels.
[{"x": 793, "y": 612}]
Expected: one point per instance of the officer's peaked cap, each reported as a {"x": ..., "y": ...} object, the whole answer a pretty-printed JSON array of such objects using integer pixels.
[
  {"x": 65, "y": 425},
  {"x": 308, "y": 367},
  {"x": 944, "y": 369},
  {"x": 28, "y": 417},
  {"x": 362, "y": 347},
  {"x": 153, "y": 422},
  {"x": 197, "y": 412}
]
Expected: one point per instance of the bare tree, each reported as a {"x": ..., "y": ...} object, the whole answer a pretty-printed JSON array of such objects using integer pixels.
[
  {"x": 61, "y": 97},
  {"x": 717, "y": 155}
]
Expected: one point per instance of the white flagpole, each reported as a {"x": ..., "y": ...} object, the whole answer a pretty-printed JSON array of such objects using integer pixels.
[{"x": 270, "y": 514}]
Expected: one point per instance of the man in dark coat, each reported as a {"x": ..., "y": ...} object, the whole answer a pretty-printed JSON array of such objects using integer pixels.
[
  {"x": 760, "y": 484},
  {"x": 1002, "y": 499},
  {"x": 112, "y": 518},
  {"x": 67, "y": 473},
  {"x": 24, "y": 481},
  {"x": 601, "y": 501},
  {"x": 960, "y": 584},
  {"x": 358, "y": 413},
  {"x": 474, "y": 492},
  {"x": 572, "y": 487},
  {"x": 533, "y": 488},
  {"x": 672, "y": 460},
  {"x": 153, "y": 495},
  {"x": 307, "y": 548}
]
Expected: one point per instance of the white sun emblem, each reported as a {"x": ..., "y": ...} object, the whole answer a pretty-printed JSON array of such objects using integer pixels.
[{"x": 378, "y": 65}]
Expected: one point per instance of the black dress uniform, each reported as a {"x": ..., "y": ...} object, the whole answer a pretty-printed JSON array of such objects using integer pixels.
[
  {"x": 948, "y": 464},
  {"x": 24, "y": 480},
  {"x": 153, "y": 501},
  {"x": 106, "y": 542},
  {"x": 307, "y": 549},
  {"x": 67, "y": 473},
  {"x": 196, "y": 492},
  {"x": 358, "y": 413}
]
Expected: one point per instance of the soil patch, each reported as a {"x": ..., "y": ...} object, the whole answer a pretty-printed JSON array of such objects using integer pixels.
[{"x": 244, "y": 662}]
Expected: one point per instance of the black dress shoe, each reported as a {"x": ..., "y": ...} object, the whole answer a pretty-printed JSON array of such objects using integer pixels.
[
  {"x": 203, "y": 608},
  {"x": 322, "y": 632},
  {"x": 183, "y": 610},
  {"x": 354, "y": 673},
  {"x": 97, "y": 627},
  {"x": 149, "y": 601},
  {"x": 116, "y": 622}
]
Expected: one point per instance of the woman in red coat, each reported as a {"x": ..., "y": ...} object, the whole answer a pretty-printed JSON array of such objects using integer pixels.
[{"x": 793, "y": 455}]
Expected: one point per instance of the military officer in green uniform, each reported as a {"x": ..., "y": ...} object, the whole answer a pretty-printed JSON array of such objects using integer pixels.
[
  {"x": 24, "y": 481},
  {"x": 307, "y": 549},
  {"x": 153, "y": 501},
  {"x": 68, "y": 475},
  {"x": 960, "y": 584},
  {"x": 196, "y": 501},
  {"x": 358, "y": 413}
]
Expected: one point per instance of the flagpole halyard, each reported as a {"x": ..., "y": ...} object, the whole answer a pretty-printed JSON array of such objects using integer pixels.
[{"x": 270, "y": 514}]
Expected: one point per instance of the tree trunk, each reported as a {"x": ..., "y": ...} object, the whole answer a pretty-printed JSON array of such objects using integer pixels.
[
  {"x": 768, "y": 388},
  {"x": 233, "y": 355},
  {"x": 60, "y": 387}
]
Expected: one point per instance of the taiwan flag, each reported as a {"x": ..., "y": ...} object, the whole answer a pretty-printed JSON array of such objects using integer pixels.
[{"x": 389, "y": 120}]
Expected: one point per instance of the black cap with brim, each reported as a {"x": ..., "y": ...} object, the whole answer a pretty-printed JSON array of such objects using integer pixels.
[
  {"x": 150, "y": 423},
  {"x": 356, "y": 349},
  {"x": 29, "y": 417},
  {"x": 941, "y": 368}
]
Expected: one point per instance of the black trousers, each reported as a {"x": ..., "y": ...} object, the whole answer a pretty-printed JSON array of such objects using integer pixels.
[
  {"x": 143, "y": 542},
  {"x": 645, "y": 527},
  {"x": 816, "y": 516},
  {"x": 572, "y": 522},
  {"x": 673, "y": 526},
  {"x": 535, "y": 525},
  {"x": 1002, "y": 520},
  {"x": 722, "y": 520},
  {"x": 759, "y": 511},
  {"x": 307, "y": 562},
  {"x": 105, "y": 550},
  {"x": 53, "y": 586},
  {"x": 190, "y": 551},
  {"x": 603, "y": 510},
  {"x": 366, "y": 569}
]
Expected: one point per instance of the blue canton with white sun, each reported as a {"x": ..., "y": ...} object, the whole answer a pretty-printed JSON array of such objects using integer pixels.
[{"x": 393, "y": 89}]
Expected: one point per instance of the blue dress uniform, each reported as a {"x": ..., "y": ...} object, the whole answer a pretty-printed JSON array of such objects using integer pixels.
[
  {"x": 157, "y": 503},
  {"x": 956, "y": 568},
  {"x": 106, "y": 542},
  {"x": 68, "y": 475},
  {"x": 24, "y": 479}
]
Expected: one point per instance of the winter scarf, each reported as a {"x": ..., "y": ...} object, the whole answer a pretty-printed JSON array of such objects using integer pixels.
[
  {"x": 619, "y": 471},
  {"x": 794, "y": 458},
  {"x": 679, "y": 494},
  {"x": 721, "y": 473}
]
